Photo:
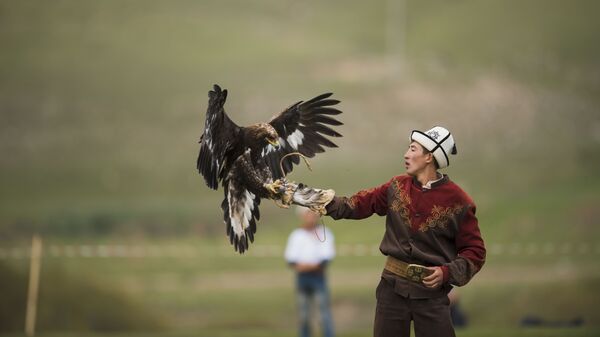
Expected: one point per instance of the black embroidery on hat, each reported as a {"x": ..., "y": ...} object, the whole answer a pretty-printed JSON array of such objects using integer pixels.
[{"x": 434, "y": 135}]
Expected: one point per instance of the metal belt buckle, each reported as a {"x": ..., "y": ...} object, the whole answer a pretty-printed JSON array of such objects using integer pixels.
[{"x": 416, "y": 272}]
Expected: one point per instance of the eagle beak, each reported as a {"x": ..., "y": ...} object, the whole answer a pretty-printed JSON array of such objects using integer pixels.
[{"x": 275, "y": 143}]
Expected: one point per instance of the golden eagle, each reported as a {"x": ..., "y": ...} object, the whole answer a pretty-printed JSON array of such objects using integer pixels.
[{"x": 246, "y": 160}]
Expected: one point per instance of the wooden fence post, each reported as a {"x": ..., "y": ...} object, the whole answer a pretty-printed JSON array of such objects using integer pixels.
[{"x": 34, "y": 280}]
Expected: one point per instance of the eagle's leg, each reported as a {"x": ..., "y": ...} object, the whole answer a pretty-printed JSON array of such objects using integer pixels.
[{"x": 258, "y": 178}]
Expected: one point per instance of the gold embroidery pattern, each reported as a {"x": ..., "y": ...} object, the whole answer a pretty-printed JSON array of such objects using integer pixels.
[
  {"x": 439, "y": 217},
  {"x": 401, "y": 202},
  {"x": 352, "y": 201}
]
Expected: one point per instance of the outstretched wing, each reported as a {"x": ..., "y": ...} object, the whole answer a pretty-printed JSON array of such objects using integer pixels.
[
  {"x": 302, "y": 128},
  {"x": 240, "y": 213},
  {"x": 220, "y": 136}
]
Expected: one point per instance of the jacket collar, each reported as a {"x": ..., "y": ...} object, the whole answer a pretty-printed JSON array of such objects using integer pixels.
[{"x": 432, "y": 184}]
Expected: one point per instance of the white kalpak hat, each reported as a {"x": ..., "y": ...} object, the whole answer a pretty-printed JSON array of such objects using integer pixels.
[{"x": 438, "y": 141}]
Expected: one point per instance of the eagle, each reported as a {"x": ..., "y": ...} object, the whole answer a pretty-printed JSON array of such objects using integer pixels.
[{"x": 251, "y": 162}]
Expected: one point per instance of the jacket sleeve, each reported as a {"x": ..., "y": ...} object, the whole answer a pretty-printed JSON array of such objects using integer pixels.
[
  {"x": 470, "y": 250},
  {"x": 361, "y": 205}
]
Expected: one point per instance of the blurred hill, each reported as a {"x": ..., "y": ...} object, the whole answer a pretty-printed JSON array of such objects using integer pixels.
[{"x": 102, "y": 103}]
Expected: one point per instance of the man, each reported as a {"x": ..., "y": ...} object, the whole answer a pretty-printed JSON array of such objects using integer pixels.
[
  {"x": 431, "y": 222},
  {"x": 308, "y": 251}
]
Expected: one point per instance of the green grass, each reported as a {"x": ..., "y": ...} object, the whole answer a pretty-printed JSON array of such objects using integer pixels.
[
  {"x": 216, "y": 290},
  {"x": 267, "y": 333}
]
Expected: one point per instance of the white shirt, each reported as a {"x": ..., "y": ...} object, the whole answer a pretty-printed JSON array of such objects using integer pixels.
[{"x": 304, "y": 246}]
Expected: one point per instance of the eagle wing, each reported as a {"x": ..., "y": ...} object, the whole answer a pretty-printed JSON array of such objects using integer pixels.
[
  {"x": 302, "y": 128},
  {"x": 220, "y": 136},
  {"x": 240, "y": 206}
]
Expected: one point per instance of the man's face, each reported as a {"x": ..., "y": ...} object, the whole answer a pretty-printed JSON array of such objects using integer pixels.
[
  {"x": 309, "y": 219},
  {"x": 415, "y": 159}
]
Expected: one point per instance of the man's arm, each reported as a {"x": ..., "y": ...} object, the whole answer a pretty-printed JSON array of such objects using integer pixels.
[
  {"x": 470, "y": 249},
  {"x": 361, "y": 205}
]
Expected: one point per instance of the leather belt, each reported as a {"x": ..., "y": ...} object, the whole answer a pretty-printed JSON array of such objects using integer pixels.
[{"x": 409, "y": 271}]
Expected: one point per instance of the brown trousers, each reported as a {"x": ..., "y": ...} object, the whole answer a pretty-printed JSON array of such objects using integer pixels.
[{"x": 431, "y": 316}]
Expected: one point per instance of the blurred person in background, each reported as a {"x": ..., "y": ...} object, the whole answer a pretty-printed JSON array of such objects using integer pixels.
[
  {"x": 309, "y": 250},
  {"x": 459, "y": 318},
  {"x": 432, "y": 239}
]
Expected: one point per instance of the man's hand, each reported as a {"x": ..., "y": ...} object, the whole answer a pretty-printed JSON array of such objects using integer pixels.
[
  {"x": 436, "y": 278},
  {"x": 307, "y": 267}
]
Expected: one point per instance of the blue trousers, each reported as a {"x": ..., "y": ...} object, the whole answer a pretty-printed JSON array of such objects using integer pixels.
[{"x": 312, "y": 288}]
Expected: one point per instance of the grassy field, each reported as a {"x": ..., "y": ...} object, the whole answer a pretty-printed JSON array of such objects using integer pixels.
[
  {"x": 209, "y": 289},
  {"x": 102, "y": 104},
  {"x": 261, "y": 333}
]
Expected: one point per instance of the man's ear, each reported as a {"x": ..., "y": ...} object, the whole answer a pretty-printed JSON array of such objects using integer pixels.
[{"x": 429, "y": 157}]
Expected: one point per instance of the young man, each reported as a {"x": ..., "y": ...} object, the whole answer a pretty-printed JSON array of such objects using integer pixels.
[
  {"x": 309, "y": 255},
  {"x": 430, "y": 222}
]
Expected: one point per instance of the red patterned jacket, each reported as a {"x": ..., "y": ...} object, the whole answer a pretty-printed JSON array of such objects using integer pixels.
[{"x": 431, "y": 227}]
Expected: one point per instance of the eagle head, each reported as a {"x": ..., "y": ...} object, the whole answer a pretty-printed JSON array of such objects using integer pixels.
[{"x": 265, "y": 134}]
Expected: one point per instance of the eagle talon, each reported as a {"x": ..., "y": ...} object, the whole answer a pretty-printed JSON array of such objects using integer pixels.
[
  {"x": 274, "y": 188},
  {"x": 281, "y": 204}
]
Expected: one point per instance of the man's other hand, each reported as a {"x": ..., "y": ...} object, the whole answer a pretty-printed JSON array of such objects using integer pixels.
[{"x": 436, "y": 278}]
